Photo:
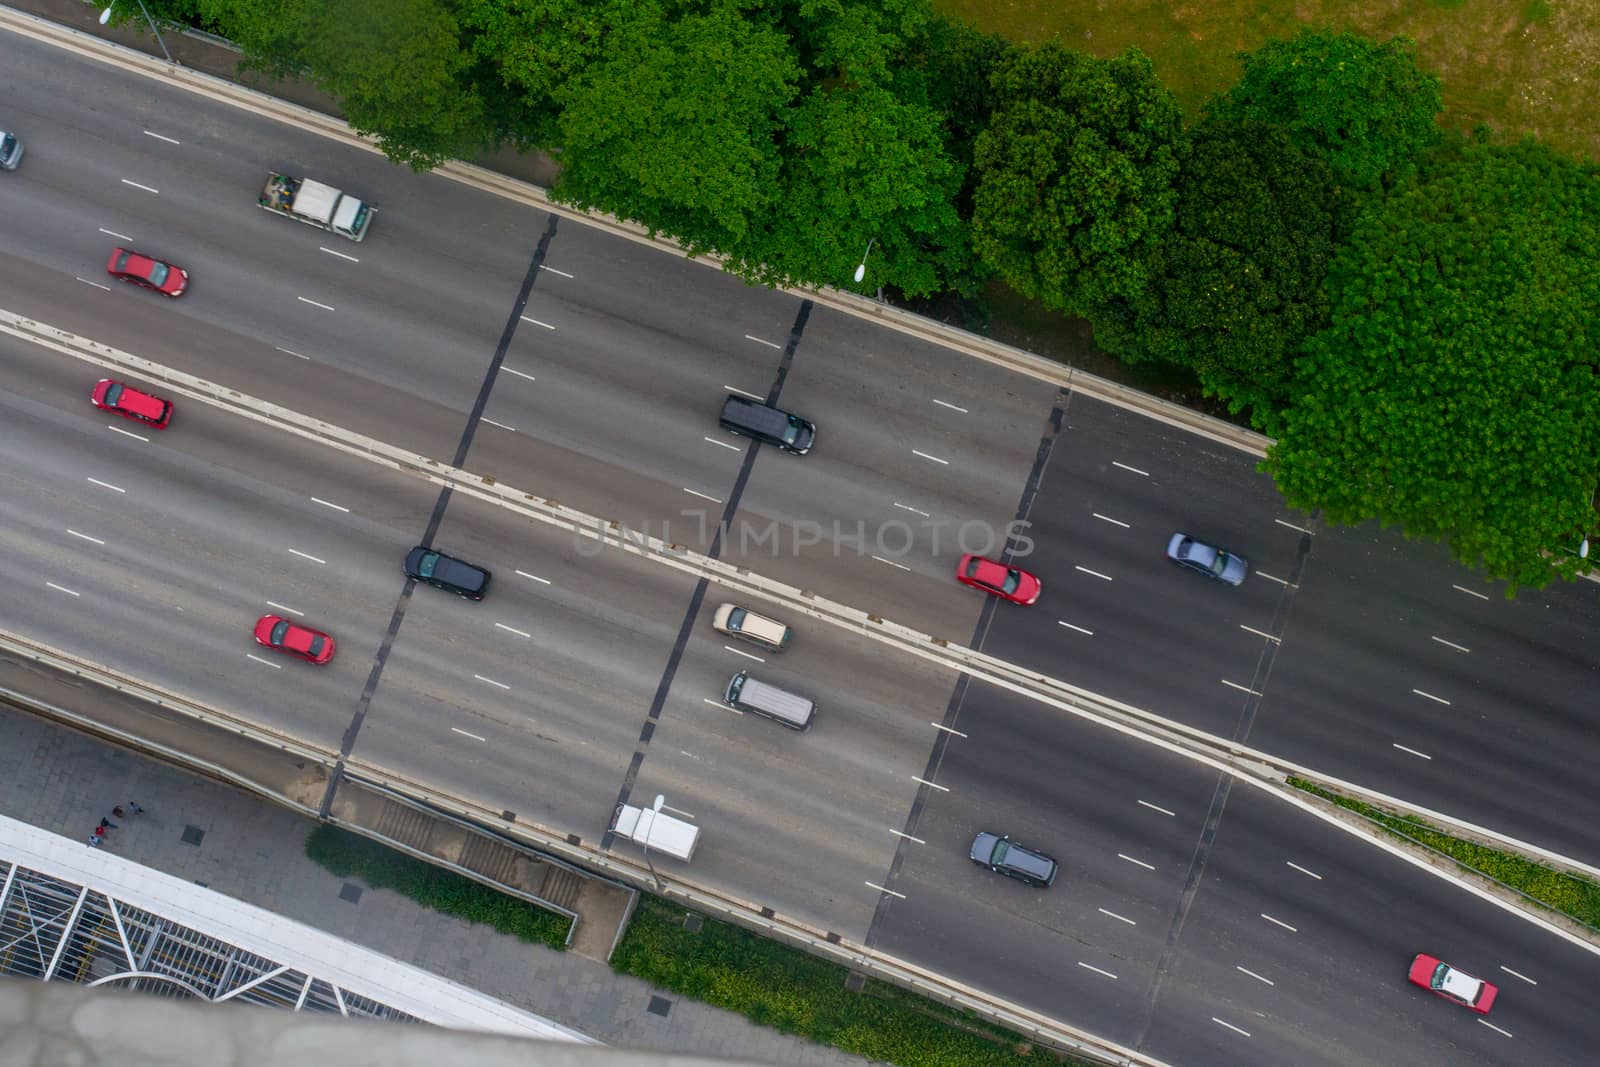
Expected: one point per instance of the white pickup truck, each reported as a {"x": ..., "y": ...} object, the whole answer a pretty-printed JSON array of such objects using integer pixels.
[
  {"x": 320, "y": 205},
  {"x": 656, "y": 831}
]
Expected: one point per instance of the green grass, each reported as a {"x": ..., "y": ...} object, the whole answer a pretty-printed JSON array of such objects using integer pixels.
[
  {"x": 1577, "y": 898},
  {"x": 777, "y": 986},
  {"x": 351, "y": 855}
]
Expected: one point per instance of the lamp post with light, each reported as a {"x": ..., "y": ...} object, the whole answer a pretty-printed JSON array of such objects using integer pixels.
[{"x": 105, "y": 17}]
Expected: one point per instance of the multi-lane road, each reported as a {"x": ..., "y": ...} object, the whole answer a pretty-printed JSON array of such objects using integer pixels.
[{"x": 1199, "y": 922}]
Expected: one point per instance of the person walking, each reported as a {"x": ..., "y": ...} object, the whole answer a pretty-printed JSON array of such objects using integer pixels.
[
  {"x": 118, "y": 812},
  {"x": 135, "y": 808},
  {"x": 99, "y": 834},
  {"x": 94, "y": 840},
  {"x": 107, "y": 824}
]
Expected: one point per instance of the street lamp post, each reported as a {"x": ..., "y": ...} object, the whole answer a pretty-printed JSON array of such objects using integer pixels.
[
  {"x": 861, "y": 269},
  {"x": 105, "y": 17},
  {"x": 661, "y": 887}
]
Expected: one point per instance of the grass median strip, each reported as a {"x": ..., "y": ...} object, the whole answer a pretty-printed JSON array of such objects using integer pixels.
[{"x": 1572, "y": 896}]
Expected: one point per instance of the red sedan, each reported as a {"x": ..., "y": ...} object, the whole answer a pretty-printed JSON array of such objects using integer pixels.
[
  {"x": 140, "y": 269},
  {"x": 1017, "y": 586},
  {"x": 275, "y": 631},
  {"x": 130, "y": 403},
  {"x": 1434, "y": 974}
]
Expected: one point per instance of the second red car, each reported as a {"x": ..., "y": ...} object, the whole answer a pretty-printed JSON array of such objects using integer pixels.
[
  {"x": 140, "y": 269},
  {"x": 1016, "y": 585},
  {"x": 275, "y": 631},
  {"x": 131, "y": 403},
  {"x": 1431, "y": 973}
]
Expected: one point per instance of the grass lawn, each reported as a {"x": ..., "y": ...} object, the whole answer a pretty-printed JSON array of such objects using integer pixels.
[{"x": 1517, "y": 66}]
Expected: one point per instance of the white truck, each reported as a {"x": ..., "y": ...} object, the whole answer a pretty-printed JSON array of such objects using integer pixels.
[
  {"x": 657, "y": 831},
  {"x": 320, "y": 205}
]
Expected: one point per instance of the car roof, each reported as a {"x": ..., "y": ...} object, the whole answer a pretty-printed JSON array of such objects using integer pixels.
[
  {"x": 987, "y": 570},
  {"x": 141, "y": 403},
  {"x": 458, "y": 572},
  {"x": 1460, "y": 984},
  {"x": 1029, "y": 862},
  {"x": 299, "y": 637}
]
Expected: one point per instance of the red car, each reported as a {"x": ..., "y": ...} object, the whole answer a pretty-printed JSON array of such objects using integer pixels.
[
  {"x": 131, "y": 266},
  {"x": 130, "y": 403},
  {"x": 275, "y": 631},
  {"x": 1451, "y": 984},
  {"x": 1017, "y": 586}
]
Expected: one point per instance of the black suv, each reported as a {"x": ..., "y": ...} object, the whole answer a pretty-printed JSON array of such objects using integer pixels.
[
  {"x": 748, "y": 418},
  {"x": 1004, "y": 856},
  {"x": 447, "y": 572}
]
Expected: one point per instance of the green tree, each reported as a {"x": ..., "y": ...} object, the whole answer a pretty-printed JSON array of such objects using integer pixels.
[
  {"x": 1075, "y": 176},
  {"x": 1237, "y": 285},
  {"x": 1454, "y": 391},
  {"x": 1365, "y": 107}
]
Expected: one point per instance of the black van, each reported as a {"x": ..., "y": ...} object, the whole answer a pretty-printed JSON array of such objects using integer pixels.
[{"x": 740, "y": 415}]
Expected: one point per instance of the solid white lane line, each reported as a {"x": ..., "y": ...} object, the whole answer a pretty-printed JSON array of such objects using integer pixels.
[
  {"x": 1096, "y": 970},
  {"x": 502, "y": 425},
  {"x": 114, "y": 233},
  {"x": 63, "y": 589},
  {"x": 908, "y": 837},
  {"x": 761, "y": 341},
  {"x": 1241, "y": 688},
  {"x": 1119, "y": 918},
  {"x": 881, "y": 889},
  {"x": 1137, "y": 863},
  {"x": 1302, "y": 870},
  {"x": 97, "y": 285},
  {"x": 535, "y": 577},
  {"x": 947, "y": 729},
  {"x": 302, "y": 555},
  {"x": 491, "y": 681},
  {"x": 1279, "y": 922},
  {"x": 136, "y": 185},
  {"x": 552, "y": 270},
  {"x": 314, "y": 303},
  {"x": 1131, "y": 470},
  {"x": 519, "y": 374},
  {"x": 1496, "y": 1029},
  {"x": 341, "y": 255},
  {"x": 512, "y": 629},
  {"x": 330, "y": 504},
  {"x": 1430, "y": 696},
  {"x": 914, "y": 511},
  {"x": 1451, "y": 644},
  {"x": 463, "y": 733},
  {"x": 1108, "y": 518},
  {"x": 85, "y": 536},
  {"x": 1094, "y": 574},
  {"x": 702, "y": 496},
  {"x": 285, "y": 607},
  {"x": 1230, "y": 1026},
  {"x": 1292, "y": 526},
  {"x": 720, "y": 704},
  {"x": 129, "y": 433},
  {"x": 536, "y": 322},
  {"x": 291, "y": 352},
  {"x": 742, "y": 652},
  {"x": 258, "y": 659},
  {"x": 723, "y": 444},
  {"x": 1068, "y": 625},
  {"x": 935, "y": 785},
  {"x": 1261, "y": 633},
  {"x": 1162, "y": 810},
  {"x": 1413, "y": 751},
  {"x": 741, "y": 392},
  {"x": 1469, "y": 592},
  {"x": 1253, "y": 974},
  {"x": 1514, "y": 974},
  {"x": 891, "y": 563},
  {"x": 161, "y": 137},
  {"x": 934, "y": 459},
  {"x": 952, "y": 407},
  {"x": 108, "y": 485}
]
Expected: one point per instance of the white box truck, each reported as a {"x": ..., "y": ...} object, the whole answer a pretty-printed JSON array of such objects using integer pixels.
[
  {"x": 657, "y": 831},
  {"x": 321, "y": 205}
]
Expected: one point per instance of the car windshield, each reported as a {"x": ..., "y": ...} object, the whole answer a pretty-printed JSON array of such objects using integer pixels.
[
  {"x": 113, "y": 393},
  {"x": 279, "y": 630},
  {"x": 1013, "y": 579},
  {"x": 1001, "y": 847},
  {"x": 158, "y": 273},
  {"x": 736, "y": 618},
  {"x": 1220, "y": 563},
  {"x": 791, "y": 432},
  {"x": 315, "y": 648},
  {"x": 427, "y": 563}
]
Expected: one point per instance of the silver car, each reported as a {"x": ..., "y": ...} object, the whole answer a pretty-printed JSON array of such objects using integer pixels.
[
  {"x": 1209, "y": 560},
  {"x": 10, "y": 151},
  {"x": 1004, "y": 856}
]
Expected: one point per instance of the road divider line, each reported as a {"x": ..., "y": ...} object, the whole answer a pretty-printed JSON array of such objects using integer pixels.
[
  {"x": 108, "y": 485},
  {"x": 535, "y": 322},
  {"x": 762, "y": 341},
  {"x": 744, "y": 392},
  {"x": 891, "y": 563},
  {"x": 330, "y": 504},
  {"x": 512, "y": 629},
  {"x": 1430, "y": 696},
  {"x": 931, "y": 785},
  {"x": 491, "y": 681},
  {"x": 501, "y": 425},
  {"x": 720, "y": 704},
  {"x": 1302, "y": 870},
  {"x": 128, "y": 433},
  {"x": 1093, "y": 574},
  {"x": 1096, "y": 970},
  {"x": 1252, "y": 974},
  {"x": 1241, "y": 688},
  {"x": 519, "y": 374},
  {"x": 114, "y": 233},
  {"x": 702, "y": 496},
  {"x": 1469, "y": 592},
  {"x": 1230, "y": 1026},
  {"x": 742, "y": 652},
  {"x": 914, "y": 511},
  {"x": 291, "y": 352},
  {"x": 267, "y": 662},
  {"x": 1114, "y": 522},
  {"x": 1297, "y": 529},
  {"x": 97, "y": 285},
  {"x": 1119, "y": 918},
  {"x": 1514, "y": 974},
  {"x": 881, "y": 889},
  {"x": 1080, "y": 629},
  {"x": 84, "y": 536},
  {"x": 723, "y": 444},
  {"x": 947, "y": 729},
  {"x": 304, "y": 555},
  {"x": 934, "y": 459},
  {"x": 1279, "y": 922},
  {"x": 285, "y": 607},
  {"x": 1261, "y": 633},
  {"x": 136, "y": 185},
  {"x": 463, "y": 733},
  {"x": 908, "y": 837},
  {"x": 315, "y": 304},
  {"x": 552, "y": 270},
  {"x": 1496, "y": 1029},
  {"x": 535, "y": 577},
  {"x": 1136, "y": 863},
  {"x": 1131, "y": 470},
  {"x": 1414, "y": 752},
  {"x": 1451, "y": 644},
  {"x": 341, "y": 255},
  {"x": 1155, "y": 807},
  {"x": 63, "y": 589},
  {"x": 1273, "y": 578},
  {"x": 952, "y": 407},
  {"x": 161, "y": 137}
]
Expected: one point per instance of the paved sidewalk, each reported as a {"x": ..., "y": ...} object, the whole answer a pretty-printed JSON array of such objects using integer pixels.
[{"x": 60, "y": 780}]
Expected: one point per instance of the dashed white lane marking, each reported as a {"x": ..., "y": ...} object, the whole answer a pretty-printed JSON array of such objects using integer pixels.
[
  {"x": 501, "y": 425},
  {"x": 935, "y": 459},
  {"x": 108, "y": 485},
  {"x": 114, "y": 233},
  {"x": 1273, "y": 578},
  {"x": 552, "y": 270},
  {"x": 742, "y": 652},
  {"x": 1119, "y": 918},
  {"x": 258, "y": 659},
  {"x": 1131, "y": 470},
  {"x": 741, "y": 392},
  {"x": 1261, "y": 633},
  {"x": 1430, "y": 696},
  {"x": 1154, "y": 807},
  {"x": 1496, "y": 1029},
  {"x": 535, "y": 577},
  {"x": 1230, "y": 1026},
  {"x": 881, "y": 889},
  {"x": 1414, "y": 752},
  {"x": 1302, "y": 870},
  {"x": 1241, "y": 688},
  {"x": 536, "y": 322},
  {"x": 947, "y": 729},
  {"x": 891, "y": 563},
  {"x": 914, "y": 511},
  {"x": 491, "y": 681},
  {"x": 1095, "y": 574},
  {"x": 146, "y": 188},
  {"x": 1292, "y": 526},
  {"x": 1136, "y": 863},
  {"x": 908, "y": 837},
  {"x": 519, "y": 374},
  {"x": 330, "y": 504},
  {"x": 1514, "y": 974},
  {"x": 161, "y": 137},
  {"x": 63, "y": 589},
  {"x": 1080, "y": 629},
  {"x": 97, "y": 285},
  {"x": 1252, "y": 974},
  {"x": 290, "y": 352},
  {"x": 1451, "y": 644},
  {"x": 341, "y": 255},
  {"x": 512, "y": 629},
  {"x": 720, "y": 704},
  {"x": 1096, "y": 970},
  {"x": 1114, "y": 522},
  {"x": 314, "y": 303},
  {"x": 285, "y": 607},
  {"x": 702, "y": 496},
  {"x": 1279, "y": 922},
  {"x": 952, "y": 407},
  {"x": 723, "y": 444},
  {"x": 463, "y": 733},
  {"x": 934, "y": 785},
  {"x": 1469, "y": 592},
  {"x": 129, "y": 433},
  {"x": 303, "y": 555},
  {"x": 761, "y": 341},
  {"x": 85, "y": 536}
]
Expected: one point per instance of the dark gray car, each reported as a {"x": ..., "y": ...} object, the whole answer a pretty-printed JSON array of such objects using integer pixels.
[
  {"x": 10, "y": 151},
  {"x": 775, "y": 426},
  {"x": 1209, "y": 560},
  {"x": 446, "y": 572},
  {"x": 1004, "y": 856}
]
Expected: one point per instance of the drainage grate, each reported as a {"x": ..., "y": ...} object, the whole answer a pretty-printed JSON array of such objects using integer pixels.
[
  {"x": 350, "y": 892},
  {"x": 192, "y": 835},
  {"x": 660, "y": 1006},
  {"x": 693, "y": 923}
]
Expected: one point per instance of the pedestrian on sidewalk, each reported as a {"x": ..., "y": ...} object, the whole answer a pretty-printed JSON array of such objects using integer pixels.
[
  {"x": 99, "y": 833},
  {"x": 136, "y": 809},
  {"x": 94, "y": 840},
  {"x": 118, "y": 812},
  {"x": 107, "y": 824}
]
